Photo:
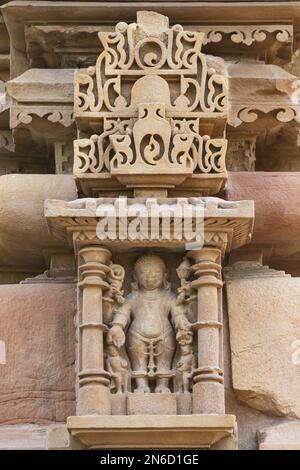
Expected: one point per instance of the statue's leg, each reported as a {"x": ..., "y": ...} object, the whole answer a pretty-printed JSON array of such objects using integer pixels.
[
  {"x": 118, "y": 383},
  {"x": 186, "y": 382},
  {"x": 164, "y": 362},
  {"x": 125, "y": 381},
  {"x": 137, "y": 352}
]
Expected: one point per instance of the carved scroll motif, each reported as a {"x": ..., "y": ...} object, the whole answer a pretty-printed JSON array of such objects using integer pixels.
[
  {"x": 149, "y": 91},
  {"x": 247, "y": 34},
  {"x": 186, "y": 151},
  {"x": 131, "y": 52}
]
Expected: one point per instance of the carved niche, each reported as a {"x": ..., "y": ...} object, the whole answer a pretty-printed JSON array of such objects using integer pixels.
[
  {"x": 149, "y": 343},
  {"x": 144, "y": 111}
]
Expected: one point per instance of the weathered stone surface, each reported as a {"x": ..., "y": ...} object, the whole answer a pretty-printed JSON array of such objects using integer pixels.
[
  {"x": 34, "y": 85},
  {"x": 285, "y": 436},
  {"x": 264, "y": 330},
  {"x": 23, "y": 230},
  {"x": 37, "y": 327},
  {"x": 44, "y": 94},
  {"x": 261, "y": 88},
  {"x": 249, "y": 421},
  {"x": 277, "y": 212},
  {"x": 149, "y": 432},
  {"x": 151, "y": 403},
  {"x": 59, "y": 438},
  {"x": 23, "y": 437}
]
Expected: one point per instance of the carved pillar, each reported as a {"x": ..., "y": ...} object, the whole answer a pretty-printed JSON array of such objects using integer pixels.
[
  {"x": 93, "y": 380},
  {"x": 208, "y": 388}
]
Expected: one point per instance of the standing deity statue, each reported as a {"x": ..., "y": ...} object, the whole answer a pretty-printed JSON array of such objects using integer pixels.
[{"x": 147, "y": 323}]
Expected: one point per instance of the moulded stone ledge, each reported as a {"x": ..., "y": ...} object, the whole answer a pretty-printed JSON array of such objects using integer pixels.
[{"x": 148, "y": 432}]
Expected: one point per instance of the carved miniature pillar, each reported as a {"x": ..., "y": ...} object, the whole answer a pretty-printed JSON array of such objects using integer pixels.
[
  {"x": 93, "y": 393},
  {"x": 208, "y": 388}
]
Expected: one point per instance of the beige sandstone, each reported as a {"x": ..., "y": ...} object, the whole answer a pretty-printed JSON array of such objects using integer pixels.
[
  {"x": 264, "y": 331},
  {"x": 21, "y": 216},
  {"x": 23, "y": 437},
  {"x": 285, "y": 436},
  {"x": 173, "y": 432},
  {"x": 37, "y": 379},
  {"x": 109, "y": 99}
]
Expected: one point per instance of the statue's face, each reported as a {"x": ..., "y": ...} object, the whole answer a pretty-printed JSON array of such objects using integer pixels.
[
  {"x": 150, "y": 276},
  {"x": 112, "y": 351}
]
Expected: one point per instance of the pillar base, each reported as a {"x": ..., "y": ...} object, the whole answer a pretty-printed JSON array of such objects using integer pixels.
[
  {"x": 208, "y": 397},
  {"x": 94, "y": 400}
]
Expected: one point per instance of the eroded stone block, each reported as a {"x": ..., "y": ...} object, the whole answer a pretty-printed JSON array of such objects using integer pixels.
[
  {"x": 37, "y": 381},
  {"x": 264, "y": 338}
]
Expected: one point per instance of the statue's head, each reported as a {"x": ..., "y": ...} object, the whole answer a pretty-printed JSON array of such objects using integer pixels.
[{"x": 150, "y": 273}]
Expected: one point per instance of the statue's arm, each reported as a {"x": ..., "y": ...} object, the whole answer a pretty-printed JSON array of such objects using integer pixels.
[
  {"x": 121, "y": 318},
  {"x": 178, "y": 315},
  {"x": 122, "y": 314}
]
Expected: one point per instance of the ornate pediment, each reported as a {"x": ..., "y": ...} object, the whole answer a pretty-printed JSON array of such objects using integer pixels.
[{"x": 151, "y": 98}]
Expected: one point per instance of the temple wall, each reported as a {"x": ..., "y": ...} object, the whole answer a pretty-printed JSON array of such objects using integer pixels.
[
  {"x": 110, "y": 101},
  {"x": 38, "y": 353}
]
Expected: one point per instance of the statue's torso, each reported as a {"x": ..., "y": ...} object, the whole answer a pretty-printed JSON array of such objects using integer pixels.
[{"x": 150, "y": 313}]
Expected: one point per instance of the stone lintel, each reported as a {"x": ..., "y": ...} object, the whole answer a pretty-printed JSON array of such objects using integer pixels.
[
  {"x": 16, "y": 13},
  {"x": 251, "y": 39},
  {"x": 227, "y": 225},
  {"x": 146, "y": 431}
]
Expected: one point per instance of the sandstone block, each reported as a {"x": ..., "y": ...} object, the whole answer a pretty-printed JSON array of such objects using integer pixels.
[
  {"x": 151, "y": 403},
  {"x": 37, "y": 380},
  {"x": 23, "y": 229},
  {"x": 264, "y": 327},
  {"x": 285, "y": 436}
]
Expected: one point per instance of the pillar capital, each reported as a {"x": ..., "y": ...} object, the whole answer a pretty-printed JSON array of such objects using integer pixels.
[
  {"x": 207, "y": 254},
  {"x": 94, "y": 254}
]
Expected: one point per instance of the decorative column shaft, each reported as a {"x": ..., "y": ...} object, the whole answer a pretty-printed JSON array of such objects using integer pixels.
[
  {"x": 93, "y": 380},
  {"x": 208, "y": 387}
]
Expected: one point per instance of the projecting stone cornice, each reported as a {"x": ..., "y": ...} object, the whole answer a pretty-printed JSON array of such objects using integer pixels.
[
  {"x": 44, "y": 93},
  {"x": 227, "y": 225},
  {"x": 24, "y": 22},
  {"x": 257, "y": 94},
  {"x": 61, "y": 46}
]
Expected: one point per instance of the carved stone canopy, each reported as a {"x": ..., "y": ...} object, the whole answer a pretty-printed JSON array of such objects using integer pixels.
[
  {"x": 148, "y": 96},
  {"x": 227, "y": 225}
]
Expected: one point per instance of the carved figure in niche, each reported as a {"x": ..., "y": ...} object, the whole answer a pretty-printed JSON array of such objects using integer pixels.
[
  {"x": 183, "y": 272},
  {"x": 149, "y": 316},
  {"x": 185, "y": 363},
  {"x": 114, "y": 295},
  {"x": 118, "y": 368}
]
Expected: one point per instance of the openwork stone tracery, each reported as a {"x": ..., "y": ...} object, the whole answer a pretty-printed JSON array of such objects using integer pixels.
[{"x": 148, "y": 96}]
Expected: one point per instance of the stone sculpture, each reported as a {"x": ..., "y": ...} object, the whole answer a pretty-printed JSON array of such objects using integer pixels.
[
  {"x": 150, "y": 337},
  {"x": 118, "y": 368}
]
